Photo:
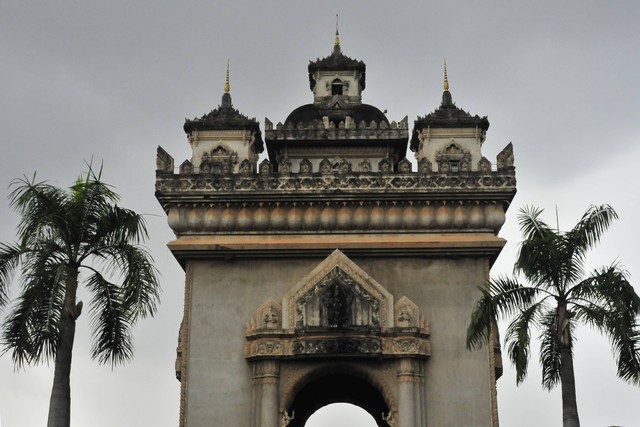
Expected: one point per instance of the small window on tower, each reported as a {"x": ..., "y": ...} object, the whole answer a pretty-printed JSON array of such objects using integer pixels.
[
  {"x": 455, "y": 166},
  {"x": 336, "y": 87}
]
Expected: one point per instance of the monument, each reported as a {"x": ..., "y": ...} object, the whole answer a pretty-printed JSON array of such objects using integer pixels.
[{"x": 331, "y": 271}]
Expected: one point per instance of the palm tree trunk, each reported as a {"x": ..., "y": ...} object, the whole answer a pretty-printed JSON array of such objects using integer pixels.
[
  {"x": 60, "y": 402},
  {"x": 567, "y": 378}
]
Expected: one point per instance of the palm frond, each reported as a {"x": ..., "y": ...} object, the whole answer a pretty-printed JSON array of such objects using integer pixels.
[
  {"x": 549, "y": 350},
  {"x": 510, "y": 296},
  {"x": 110, "y": 323},
  {"x": 518, "y": 339},
  {"x": 588, "y": 231},
  {"x": 482, "y": 317},
  {"x": 31, "y": 330},
  {"x": 10, "y": 256}
]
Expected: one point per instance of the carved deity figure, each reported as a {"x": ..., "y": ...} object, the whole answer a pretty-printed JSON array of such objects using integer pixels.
[
  {"x": 336, "y": 304},
  {"x": 405, "y": 317},
  {"x": 286, "y": 418},
  {"x": 270, "y": 318}
]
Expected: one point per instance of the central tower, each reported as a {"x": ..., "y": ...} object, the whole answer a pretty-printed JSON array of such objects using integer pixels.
[{"x": 331, "y": 271}]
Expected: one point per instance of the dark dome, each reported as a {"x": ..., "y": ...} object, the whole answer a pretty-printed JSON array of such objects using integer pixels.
[{"x": 359, "y": 113}]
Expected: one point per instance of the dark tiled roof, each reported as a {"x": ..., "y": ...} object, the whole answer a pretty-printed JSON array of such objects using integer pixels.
[
  {"x": 359, "y": 113},
  {"x": 337, "y": 61},
  {"x": 225, "y": 117},
  {"x": 448, "y": 115}
]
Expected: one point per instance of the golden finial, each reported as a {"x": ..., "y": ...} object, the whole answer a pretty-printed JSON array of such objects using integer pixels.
[
  {"x": 337, "y": 43},
  {"x": 227, "y": 87},
  {"x": 446, "y": 80}
]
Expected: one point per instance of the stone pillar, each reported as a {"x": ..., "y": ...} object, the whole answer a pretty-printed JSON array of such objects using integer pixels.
[
  {"x": 266, "y": 377},
  {"x": 409, "y": 406}
]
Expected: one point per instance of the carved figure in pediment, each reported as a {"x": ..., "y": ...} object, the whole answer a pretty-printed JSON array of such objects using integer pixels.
[
  {"x": 484, "y": 165},
  {"x": 186, "y": 167},
  {"x": 285, "y": 165},
  {"x": 406, "y": 313},
  {"x": 265, "y": 167},
  {"x": 404, "y": 166},
  {"x": 424, "y": 166},
  {"x": 338, "y": 294},
  {"x": 341, "y": 165},
  {"x": 245, "y": 167},
  {"x": 306, "y": 166},
  {"x": 364, "y": 166},
  {"x": 325, "y": 166},
  {"x": 444, "y": 166},
  {"x": 268, "y": 315},
  {"x": 384, "y": 165},
  {"x": 464, "y": 166}
]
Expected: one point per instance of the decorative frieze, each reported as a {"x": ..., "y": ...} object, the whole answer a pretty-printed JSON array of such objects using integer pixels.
[{"x": 341, "y": 216}]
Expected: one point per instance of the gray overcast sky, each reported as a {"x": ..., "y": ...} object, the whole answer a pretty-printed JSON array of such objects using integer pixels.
[{"x": 112, "y": 80}]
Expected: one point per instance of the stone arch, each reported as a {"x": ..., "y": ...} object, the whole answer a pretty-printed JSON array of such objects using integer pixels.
[{"x": 333, "y": 383}]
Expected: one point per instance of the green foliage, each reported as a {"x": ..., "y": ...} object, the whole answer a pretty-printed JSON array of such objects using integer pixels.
[
  {"x": 63, "y": 232},
  {"x": 557, "y": 295}
]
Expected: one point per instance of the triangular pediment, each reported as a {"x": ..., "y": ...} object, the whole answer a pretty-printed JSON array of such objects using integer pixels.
[{"x": 337, "y": 294}]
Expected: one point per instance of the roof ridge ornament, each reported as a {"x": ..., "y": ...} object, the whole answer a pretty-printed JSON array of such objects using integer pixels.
[
  {"x": 336, "y": 44},
  {"x": 227, "y": 87},
  {"x": 446, "y": 95},
  {"x": 446, "y": 79}
]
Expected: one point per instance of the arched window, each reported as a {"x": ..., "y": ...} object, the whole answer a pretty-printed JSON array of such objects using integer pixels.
[{"x": 336, "y": 87}]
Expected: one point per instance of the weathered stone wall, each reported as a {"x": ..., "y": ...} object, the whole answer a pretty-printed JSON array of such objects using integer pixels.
[{"x": 225, "y": 294}]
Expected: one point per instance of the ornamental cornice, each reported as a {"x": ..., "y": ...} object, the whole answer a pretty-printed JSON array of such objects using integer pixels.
[{"x": 168, "y": 184}]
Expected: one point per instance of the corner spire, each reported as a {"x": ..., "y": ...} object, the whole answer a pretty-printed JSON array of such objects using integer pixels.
[
  {"x": 227, "y": 87},
  {"x": 336, "y": 44},
  {"x": 446, "y": 95},
  {"x": 226, "y": 96},
  {"x": 446, "y": 80}
]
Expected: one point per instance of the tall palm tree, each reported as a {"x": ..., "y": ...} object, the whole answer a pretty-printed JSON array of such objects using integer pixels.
[
  {"x": 555, "y": 297},
  {"x": 68, "y": 237}
]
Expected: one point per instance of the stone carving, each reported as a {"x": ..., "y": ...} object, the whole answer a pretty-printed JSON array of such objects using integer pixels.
[
  {"x": 368, "y": 302},
  {"x": 339, "y": 345},
  {"x": 186, "y": 168},
  {"x": 284, "y": 165},
  {"x": 501, "y": 180},
  {"x": 267, "y": 316},
  {"x": 337, "y": 301},
  {"x": 424, "y": 165},
  {"x": 506, "y": 158},
  {"x": 286, "y": 418},
  {"x": 164, "y": 162},
  {"x": 389, "y": 419},
  {"x": 265, "y": 167},
  {"x": 384, "y": 165},
  {"x": 406, "y": 313},
  {"x": 484, "y": 165},
  {"x": 404, "y": 166},
  {"x": 306, "y": 166},
  {"x": 246, "y": 167},
  {"x": 325, "y": 166},
  {"x": 364, "y": 166},
  {"x": 342, "y": 166}
]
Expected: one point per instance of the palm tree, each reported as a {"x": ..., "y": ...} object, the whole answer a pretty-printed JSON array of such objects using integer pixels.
[
  {"x": 555, "y": 297},
  {"x": 68, "y": 237}
]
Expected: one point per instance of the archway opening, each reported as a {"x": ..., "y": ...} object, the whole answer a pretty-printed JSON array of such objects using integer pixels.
[
  {"x": 334, "y": 388},
  {"x": 341, "y": 415}
]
